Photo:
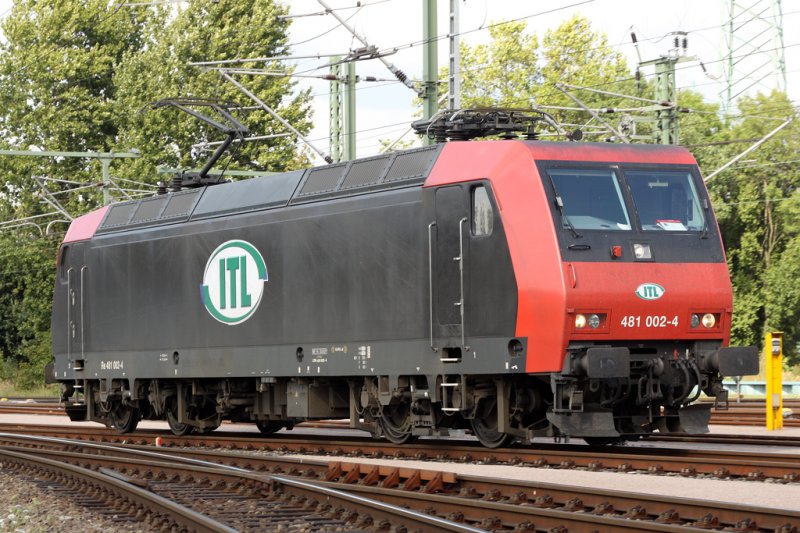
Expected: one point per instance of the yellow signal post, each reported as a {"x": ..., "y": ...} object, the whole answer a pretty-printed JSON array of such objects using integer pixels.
[{"x": 773, "y": 355}]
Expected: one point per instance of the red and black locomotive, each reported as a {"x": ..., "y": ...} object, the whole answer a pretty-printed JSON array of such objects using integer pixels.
[{"x": 515, "y": 288}]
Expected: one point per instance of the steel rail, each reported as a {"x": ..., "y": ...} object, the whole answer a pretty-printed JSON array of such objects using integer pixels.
[
  {"x": 686, "y": 462},
  {"x": 331, "y": 493},
  {"x": 373, "y": 480},
  {"x": 413, "y": 509},
  {"x": 181, "y": 515}
]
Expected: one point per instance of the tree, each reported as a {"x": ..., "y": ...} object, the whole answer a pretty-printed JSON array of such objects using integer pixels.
[
  {"x": 757, "y": 205},
  {"x": 26, "y": 286},
  {"x": 56, "y": 93},
  {"x": 575, "y": 54},
  {"x": 515, "y": 71},
  {"x": 74, "y": 76},
  {"x": 57, "y": 90},
  {"x": 209, "y": 31},
  {"x": 503, "y": 73}
]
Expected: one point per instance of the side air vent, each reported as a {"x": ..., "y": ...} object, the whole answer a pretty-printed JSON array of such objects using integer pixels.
[
  {"x": 367, "y": 172},
  {"x": 149, "y": 209},
  {"x": 181, "y": 204},
  {"x": 410, "y": 164},
  {"x": 401, "y": 169},
  {"x": 152, "y": 211},
  {"x": 118, "y": 215},
  {"x": 323, "y": 179}
]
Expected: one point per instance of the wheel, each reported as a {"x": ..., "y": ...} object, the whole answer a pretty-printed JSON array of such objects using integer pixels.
[
  {"x": 484, "y": 425},
  {"x": 124, "y": 418},
  {"x": 176, "y": 427},
  {"x": 395, "y": 421},
  {"x": 268, "y": 427}
]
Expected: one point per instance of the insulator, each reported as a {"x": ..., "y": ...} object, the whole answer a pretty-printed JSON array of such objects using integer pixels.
[
  {"x": 400, "y": 75},
  {"x": 677, "y": 42},
  {"x": 633, "y": 38},
  {"x": 685, "y": 43},
  {"x": 177, "y": 181}
]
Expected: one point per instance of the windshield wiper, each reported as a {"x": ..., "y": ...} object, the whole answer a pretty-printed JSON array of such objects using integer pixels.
[{"x": 565, "y": 219}]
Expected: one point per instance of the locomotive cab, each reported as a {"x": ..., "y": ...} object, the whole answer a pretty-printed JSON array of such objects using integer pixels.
[
  {"x": 649, "y": 297},
  {"x": 623, "y": 296}
]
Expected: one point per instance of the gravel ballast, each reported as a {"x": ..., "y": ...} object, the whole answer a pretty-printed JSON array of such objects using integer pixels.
[{"x": 26, "y": 507}]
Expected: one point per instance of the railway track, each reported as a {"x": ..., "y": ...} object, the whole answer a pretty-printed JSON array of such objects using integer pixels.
[
  {"x": 782, "y": 467},
  {"x": 748, "y": 412},
  {"x": 752, "y": 412},
  {"x": 345, "y": 494}
]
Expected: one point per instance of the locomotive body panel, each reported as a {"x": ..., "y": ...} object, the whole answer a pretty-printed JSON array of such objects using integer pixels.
[
  {"x": 347, "y": 285},
  {"x": 611, "y": 288},
  {"x": 510, "y": 167}
]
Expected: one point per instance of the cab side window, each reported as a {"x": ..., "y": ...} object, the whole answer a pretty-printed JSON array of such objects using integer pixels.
[
  {"x": 482, "y": 213},
  {"x": 62, "y": 263}
]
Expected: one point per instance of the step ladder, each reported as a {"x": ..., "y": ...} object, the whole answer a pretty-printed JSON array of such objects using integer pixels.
[{"x": 447, "y": 395}]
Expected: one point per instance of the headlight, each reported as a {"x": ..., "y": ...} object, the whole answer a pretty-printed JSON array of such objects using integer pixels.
[
  {"x": 695, "y": 321},
  {"x": 642, "y": 251},
  {"x": 709, "y": 320},
  {"x": 589, "y": 322}
]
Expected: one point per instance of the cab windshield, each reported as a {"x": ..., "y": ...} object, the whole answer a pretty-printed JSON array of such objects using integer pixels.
[
  {"x": 589, "y": 198},
  {"x": 666, "y": 200}
]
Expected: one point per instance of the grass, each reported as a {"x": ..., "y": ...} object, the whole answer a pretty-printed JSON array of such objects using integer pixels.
[{"x": 9, "y": 389}]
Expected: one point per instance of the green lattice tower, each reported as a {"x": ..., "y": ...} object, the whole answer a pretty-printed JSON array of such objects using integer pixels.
[{"x": 753, "y": 48}]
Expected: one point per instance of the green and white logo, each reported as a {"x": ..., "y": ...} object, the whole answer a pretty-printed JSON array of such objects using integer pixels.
[
  {"x": 233, "y": 282},
  {"x": 650, "y": 291}
]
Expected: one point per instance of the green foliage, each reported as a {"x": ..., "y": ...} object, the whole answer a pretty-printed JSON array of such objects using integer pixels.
[
  {"x": 515, "y": 70},
  {"x": 79, "y": 75},
  {"x": 757, "y": 207},
  {"x": 57, "y": 90},
  {"x": 503, "y": 73},
  {"x": 208, "y": 31},
  {"x": 575, "y": 54},
  {"x": 26, "y": 285}
]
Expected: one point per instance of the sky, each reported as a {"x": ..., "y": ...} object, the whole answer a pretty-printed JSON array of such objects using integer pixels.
[{"x": 385, "y": 109}]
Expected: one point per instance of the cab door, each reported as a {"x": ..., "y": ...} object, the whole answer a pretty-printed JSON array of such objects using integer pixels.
[
  {"x": 449, "y": 265},
  {"x": 77, "y": 271}
]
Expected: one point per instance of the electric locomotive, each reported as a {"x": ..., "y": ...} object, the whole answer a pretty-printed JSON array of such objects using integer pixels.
[{"x": 513, "y": 288}]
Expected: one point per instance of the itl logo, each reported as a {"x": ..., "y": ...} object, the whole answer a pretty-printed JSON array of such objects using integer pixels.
[
  {"x": 233, "y": 282},
  {"x": 650, "y": 291}
]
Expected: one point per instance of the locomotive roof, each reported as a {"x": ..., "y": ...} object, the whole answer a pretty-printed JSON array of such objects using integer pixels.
[
  {"x": 389, "y": 171},
  {"x": 405, "y": 168}
]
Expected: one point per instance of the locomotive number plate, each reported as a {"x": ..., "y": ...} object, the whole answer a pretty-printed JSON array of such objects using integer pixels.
[
  {"x": 112, "y": 365},
  {"x": 649, "y": 321}
]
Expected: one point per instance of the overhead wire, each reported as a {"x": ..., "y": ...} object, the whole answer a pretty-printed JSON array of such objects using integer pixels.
[
  {"x": 325, "y": 32},
  {"x": 478, "y": 68},
  {"x": 533, "y": 15}
]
